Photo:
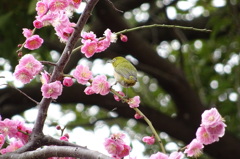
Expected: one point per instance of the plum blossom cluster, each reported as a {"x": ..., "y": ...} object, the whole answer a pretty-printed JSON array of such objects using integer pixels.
[
  {"x": 27, "y": 68},
  {"x": 211, "y": 129},
  {"x": 50, "y": 89},
  {"x": 14, "y": 130},
  {"x": 32, "y": 41},
  {"x": 57, "y": 14},
  {"x": 99, "y": 84},
  {"x": 116, "y": 146},
  {"x": 92, "y": 45}
]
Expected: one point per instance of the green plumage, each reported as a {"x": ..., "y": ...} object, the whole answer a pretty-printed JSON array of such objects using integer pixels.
[{"x": 125, "y": 72}]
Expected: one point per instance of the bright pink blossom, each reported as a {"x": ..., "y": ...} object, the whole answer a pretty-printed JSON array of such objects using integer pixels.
[
  {"x": 14, "y": 145},
  {"x": 88, "y": 36},
  {"x": 89, "y": 48},
  {"x": 116, "y": 146},
  {"x": 88, "y": 90},
  {"x": 217, "y": 130},
  {"x": 67, "y": 81},
  {"x": 138, "y": 116},
  {"x": 203, "y": 136},
  {"x": 37, "y": 24},
  {"x": 52, "y": 90},
  {"x": 149, "y": 140},
  {"x": 159, "y": 155},
  {"x": 33, "y": 42},
  {"x": 134, "y": 102},
  {"x": 194, "y": 149},
  {"x": 82, "y": 74},
  {"x": 100, "y": 85},
  {"x": 27, "y": 32},
  {"x": 117, "y": 98},
  {"x": 41, "y": 8},
  {"x": 211, "y": 117},
  {"x": 2, "y": 140},
  {"x": 123, "y": 38}
]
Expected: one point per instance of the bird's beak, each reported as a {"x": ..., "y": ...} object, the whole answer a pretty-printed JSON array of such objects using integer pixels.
[{"x": 109, "y": 61}]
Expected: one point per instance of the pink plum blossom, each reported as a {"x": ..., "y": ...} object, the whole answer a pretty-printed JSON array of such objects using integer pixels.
[
  {"x": 57, "y": 5},
  {"x": 217, "y": 130},
  {"x": 176, "y": 155},
  {"x": 194, "y": 149},
  {"x": 30, "y": 63},
  {"x": 138, "y": 116},
  {"x": 89, "y": 48},
  {"x": 2, "y": 140},
  {"x": 134, "y": 102},
  {"x": 123, "y": 38},
  {"x": 37, "y": 24},
  {"x": 117, "y": 98},
  {"x": 82, "y": 74},
  {"x": 116, "y": 146},
  {"x": 27, "y": 32},
  {"x": 88, "y": 90},
  {"x": 159, "y": 155},
  {"x": 52, "y": 90},
  {"x": 14, "y": 145},
  {"x": 67, "y": 81},
  {"x": 100, "y": 85},
  {"x": 88, "y": 36},
  {"x": 211, "y": 117},
  {"x": 203, "y": 136},
  {"x": 33, "y": 42},
  {"x": 149, "y": 140},
  {"x": 23, "y": 75},
  {"x": 41, "y": 8},
  {"x": 45, "y": 77}
]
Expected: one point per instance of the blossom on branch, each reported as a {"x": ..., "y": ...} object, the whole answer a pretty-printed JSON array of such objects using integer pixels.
[
  {"x": 134, "y": 102},
  {"x": 100, "y": 85},
  {"x": 33, "y": 42},
  {"x": 51, "y": 90},
  {"x": 82, "y": 74}
]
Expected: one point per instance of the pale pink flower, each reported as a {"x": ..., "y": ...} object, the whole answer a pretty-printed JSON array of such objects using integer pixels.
[
  {"x": 45, "y": 77},
  {"x": 2, "y": 140},
  {"x": 159, "y": 155},
  {"x": 82, "y": 74},
  {"x": 176, "y": 155},
  {"x": 149, "y": 140},
  {"x": 27, "y": 32},
  {"x": 57, "y": 5},
  {"x": 112, "y": 37},
  {"x": 217, "y": 130},
  {"x": 116, "y": 146},
  {"x": 194, "y": 149},
  {"x": 67, "y": 81},
  {"x": 30, "y": 63},
  {"x": 33, "y": 42},
  {"x": 41, "y": 8},
  {"x": 123, "y": 38},
  {"x": 102, "y": 45},
  {"x": 88, "y": 36},
  {"x": 211, "y": 117},
  {"x": 14, "y": 145},
  {"x": 23, "y": 75},
  {"x": 88, "y": 91},
  {"x": 9, "y": 127},
  {"x": 52, "y": 90},
  {"x": 203, "y": 136},
  {"x": 89, "y": 48},
  {"x": 100, "y": 85},
  {"x": 117, "y": 98},
  {"x": 37, "y": 24},
  {"x": 134, "y": 102}
]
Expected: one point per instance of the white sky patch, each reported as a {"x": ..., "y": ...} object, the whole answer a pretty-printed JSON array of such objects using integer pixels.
[
  {"x": 218, "y": 3},
  {"x": 171, "y": 13}
]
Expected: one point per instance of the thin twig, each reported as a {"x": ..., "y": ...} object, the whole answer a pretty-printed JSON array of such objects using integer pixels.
[
  {"x": 36, "y": 102},
  {"x": 163, "y": 26},
  {"x": 111, "y": 3},
  {"x": 48, "y": 63}
]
